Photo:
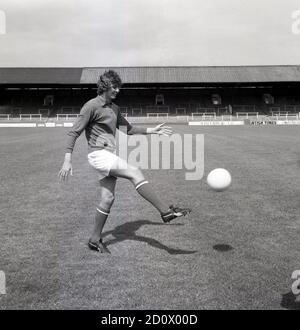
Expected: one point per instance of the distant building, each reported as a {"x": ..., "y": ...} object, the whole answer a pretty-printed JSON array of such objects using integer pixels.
[{"x": 173, "y": 90}]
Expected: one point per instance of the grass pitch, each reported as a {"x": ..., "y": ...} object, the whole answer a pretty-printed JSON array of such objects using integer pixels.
[{"x": 237, "y": 250}]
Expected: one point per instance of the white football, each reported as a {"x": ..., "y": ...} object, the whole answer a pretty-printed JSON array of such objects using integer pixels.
[{"x": 219, "y": 179}]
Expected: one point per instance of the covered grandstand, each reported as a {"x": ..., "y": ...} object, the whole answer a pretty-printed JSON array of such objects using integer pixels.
[{"x": 153, "y": 91}]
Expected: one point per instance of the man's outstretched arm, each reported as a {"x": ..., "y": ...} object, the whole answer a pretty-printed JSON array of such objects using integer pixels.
[{"x": 132, "y": 129}]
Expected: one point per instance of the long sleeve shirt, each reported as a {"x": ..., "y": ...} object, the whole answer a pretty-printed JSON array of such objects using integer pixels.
[{"x": 100, "y": 121}]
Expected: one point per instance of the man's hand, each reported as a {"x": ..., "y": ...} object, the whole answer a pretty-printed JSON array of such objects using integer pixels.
[
  {"x": 161, "y": 130},
  {"x": 65, "y": 171}
]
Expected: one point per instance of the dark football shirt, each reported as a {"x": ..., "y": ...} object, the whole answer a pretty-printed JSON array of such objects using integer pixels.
[{"x": 100, "y": 121}]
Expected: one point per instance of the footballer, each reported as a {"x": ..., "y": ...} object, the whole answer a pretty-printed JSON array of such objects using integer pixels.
[{"x": 100, "y": 118}]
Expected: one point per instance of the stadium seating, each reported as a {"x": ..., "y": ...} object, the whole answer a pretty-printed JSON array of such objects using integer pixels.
[{"x": 135, "y": 103}]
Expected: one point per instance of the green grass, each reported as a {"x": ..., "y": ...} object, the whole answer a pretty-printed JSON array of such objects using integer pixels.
[{"x": 45, "y": 225}]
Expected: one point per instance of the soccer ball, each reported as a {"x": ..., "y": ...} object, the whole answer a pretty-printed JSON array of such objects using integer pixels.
[{"x": 219, "y": 179}]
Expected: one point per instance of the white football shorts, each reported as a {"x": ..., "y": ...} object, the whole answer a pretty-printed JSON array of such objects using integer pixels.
[{"x": 103, "y": 161}]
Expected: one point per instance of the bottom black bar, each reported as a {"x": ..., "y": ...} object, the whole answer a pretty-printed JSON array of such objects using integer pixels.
[{"x": 137, "y": 318}]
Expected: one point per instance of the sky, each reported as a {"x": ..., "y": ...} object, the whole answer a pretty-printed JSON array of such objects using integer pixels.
[{"x": 97, "y": 33}]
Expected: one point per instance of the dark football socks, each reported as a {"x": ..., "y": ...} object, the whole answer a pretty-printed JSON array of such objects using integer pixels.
[
  {"x": 146, "y": 191},
  {"x": 100, "y": 219}
]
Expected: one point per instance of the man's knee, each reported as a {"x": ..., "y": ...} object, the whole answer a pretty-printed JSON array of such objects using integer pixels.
[{"x": 135, "y": 174}]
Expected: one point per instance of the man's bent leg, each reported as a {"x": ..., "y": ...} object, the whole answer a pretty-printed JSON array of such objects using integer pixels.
[{"x": 124, "y": 170}]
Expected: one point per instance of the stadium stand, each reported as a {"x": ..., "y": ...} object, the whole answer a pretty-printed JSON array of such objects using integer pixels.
[{"x": 59, "y": 93}]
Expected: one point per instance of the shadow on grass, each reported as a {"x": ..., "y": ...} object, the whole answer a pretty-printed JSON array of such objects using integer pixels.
[
  {"x": 127, "y": 231},
  {"x": 222, "y": 247},
  {"x": 289, "y": 301}
]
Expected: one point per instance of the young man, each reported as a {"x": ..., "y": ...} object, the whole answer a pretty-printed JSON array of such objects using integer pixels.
[{"x": 100, "y": 118}]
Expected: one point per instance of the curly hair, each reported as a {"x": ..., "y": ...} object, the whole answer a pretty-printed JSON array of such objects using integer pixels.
[{"x": 108, "y": 79}]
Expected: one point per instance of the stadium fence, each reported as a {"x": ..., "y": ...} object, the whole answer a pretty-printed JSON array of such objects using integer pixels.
[
  {"x": 67, "y": 116},
  {"x": 279, "y": 113},
  {"x": 182, "y": 118},
  {"x": 30, "y": 116},
  {"x": 247, "y": 114},
  {"x": 204, "y": 115},
  {"x": 287, "y": 116},
  {"x": 5, "y": 116},
  {"x": 157, "y": 115}
]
